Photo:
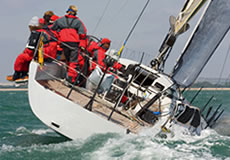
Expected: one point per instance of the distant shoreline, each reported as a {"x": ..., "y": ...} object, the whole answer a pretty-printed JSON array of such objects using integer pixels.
[
  {"x": 13, "y": 89},
  {"x": 210, "y": 89},
  {"x": 191, "y": 89}
]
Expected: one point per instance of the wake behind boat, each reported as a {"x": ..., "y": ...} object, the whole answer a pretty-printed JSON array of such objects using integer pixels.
[{"x": 140, "y": 96}]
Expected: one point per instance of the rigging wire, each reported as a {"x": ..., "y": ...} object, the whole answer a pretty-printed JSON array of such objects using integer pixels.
[
  {"x": 132, "y": 29},
  {"x": 118, "y": 13},
  {"x": 123, "y": 6},
  {"x": 100, "y": 19},
  {"x": 115, "y": 17},
  {"x": 222, "y": 69}
]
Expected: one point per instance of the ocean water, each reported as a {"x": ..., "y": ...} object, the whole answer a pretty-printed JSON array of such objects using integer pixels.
[{"x": 24, "y": 137}]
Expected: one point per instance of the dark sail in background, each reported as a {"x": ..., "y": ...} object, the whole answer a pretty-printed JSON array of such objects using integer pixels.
[{"x": 205, "y": 39}]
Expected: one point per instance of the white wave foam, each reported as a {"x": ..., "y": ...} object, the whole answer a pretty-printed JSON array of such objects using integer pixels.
[
  {"x": 143, "y": 146},
  {"x": 42, "y": 131},
  {"x": 23, "y": 130},
  {"x": 5, "y": 148},
  {"x": 36, "y": 148},
  {"x": 148, "y": 147}
]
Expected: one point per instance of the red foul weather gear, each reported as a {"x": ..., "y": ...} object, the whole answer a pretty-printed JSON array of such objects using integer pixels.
[
  {"x": 41, "y": 21},
  {"x": 105, "y": 40},
  {"x": 71, "y": 29},
  {"x": 92, "y": 47},
  {"x": 73, "y": 56},
  {"x": 23, "y": 60},
  {"x": 54, "y": 18},
  {"x": 99, "y": 57},
  {"x": 50, "y": 49},
  {"x": 72, "y": 32}
]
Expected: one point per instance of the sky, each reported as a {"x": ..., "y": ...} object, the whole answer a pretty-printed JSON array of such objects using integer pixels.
[{"x": 116, "y": 23}]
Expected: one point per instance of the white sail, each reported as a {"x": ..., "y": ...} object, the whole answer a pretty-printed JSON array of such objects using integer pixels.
[{"x": 205, "y": 39}]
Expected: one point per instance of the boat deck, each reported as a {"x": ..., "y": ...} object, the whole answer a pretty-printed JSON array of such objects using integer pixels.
[{"x": 101, "y": 106}]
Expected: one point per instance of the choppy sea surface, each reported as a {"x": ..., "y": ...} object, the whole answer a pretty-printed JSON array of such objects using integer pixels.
[{"x": 24, "y": 137}]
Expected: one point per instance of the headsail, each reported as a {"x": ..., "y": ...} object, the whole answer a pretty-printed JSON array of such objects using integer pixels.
[{"x": 206, "y": 37}]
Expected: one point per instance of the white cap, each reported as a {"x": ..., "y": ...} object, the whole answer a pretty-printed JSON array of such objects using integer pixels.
[{"x": 34, "y": 21}]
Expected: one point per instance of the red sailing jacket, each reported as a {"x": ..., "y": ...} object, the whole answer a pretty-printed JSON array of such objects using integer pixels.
[
  {"x": 71, "y": 29},
  {"x": 50, "y": 49},
  {"x": 92, "y": 47}
]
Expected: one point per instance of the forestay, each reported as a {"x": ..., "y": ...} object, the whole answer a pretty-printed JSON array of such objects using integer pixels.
[{"x": 205, "y": 39}]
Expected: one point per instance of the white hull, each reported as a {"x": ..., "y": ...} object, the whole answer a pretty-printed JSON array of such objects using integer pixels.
[
  {"x": 69, "y": 118},
  {"x": 63, "y": 115}
]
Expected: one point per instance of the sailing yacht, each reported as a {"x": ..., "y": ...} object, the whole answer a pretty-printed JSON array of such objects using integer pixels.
[{"x": 153, "y": 98}]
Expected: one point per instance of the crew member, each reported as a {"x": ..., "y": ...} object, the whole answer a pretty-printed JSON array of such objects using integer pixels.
[
  {"x": 21, "y": 65},
  {"x": 99, "y": 56},
  {"x": 72, "y": 33},
  {"x": 50, "y": 49},
  {"x": 92, "y": 46}
]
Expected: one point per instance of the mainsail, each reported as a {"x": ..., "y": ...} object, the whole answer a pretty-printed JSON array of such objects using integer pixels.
[{"x": 206, "y": 37}]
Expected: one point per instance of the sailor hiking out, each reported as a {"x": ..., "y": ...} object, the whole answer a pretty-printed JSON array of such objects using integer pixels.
[
  {"x": 21, "y": 65},
  {"x": 50, "y": 42}
]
